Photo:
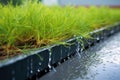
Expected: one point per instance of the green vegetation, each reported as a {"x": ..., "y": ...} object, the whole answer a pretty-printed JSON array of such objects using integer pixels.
[{"x": 34, "y": 25}]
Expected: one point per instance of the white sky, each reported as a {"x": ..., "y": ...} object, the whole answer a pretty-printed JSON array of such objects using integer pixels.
[
  {"x": 82, "y": 2},
  {"x": 50, "y": 2}
]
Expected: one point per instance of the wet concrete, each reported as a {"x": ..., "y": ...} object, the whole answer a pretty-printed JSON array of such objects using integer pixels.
[{"x": 102, "y": 62}]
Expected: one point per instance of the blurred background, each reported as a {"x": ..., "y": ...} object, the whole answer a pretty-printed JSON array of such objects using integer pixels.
[{"x": 112, "y": 3}]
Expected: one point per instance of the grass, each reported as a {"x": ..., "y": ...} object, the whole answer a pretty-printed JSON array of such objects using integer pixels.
[{"x": 34, "y": 25}]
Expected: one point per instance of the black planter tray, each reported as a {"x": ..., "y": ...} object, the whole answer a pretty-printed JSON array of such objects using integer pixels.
[{"x": 25, "y": 66}]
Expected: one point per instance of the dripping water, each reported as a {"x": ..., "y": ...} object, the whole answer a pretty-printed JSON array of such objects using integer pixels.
[
  {"x": 98, "y": 38},
  {"x": 49, "y": 63},
  {"x": 31, "y": 66},
  {"x": 39, "y": 63},
  {"x": 78, "y": 49},
  {"x": 13, "y": 73},
  {"x": 38, "y": 70},
  {"x": 51, "y": 68}
]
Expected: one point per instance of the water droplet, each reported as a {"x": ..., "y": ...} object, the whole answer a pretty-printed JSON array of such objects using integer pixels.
[
  {"x": 45, "y": 70},
  {"x": 39, "y": 63},
  {"x": 38, "y": 70},
  {"x": 81, "y": 49},
  {"x": 59, "y": 63},
  {"x": 31, "y": 71},
  {"x": 31, "y": 66},
  {"x": 68, "y": 57},
  {"x": 49, "y": 66},
  {"x": 98, "y": 38}
]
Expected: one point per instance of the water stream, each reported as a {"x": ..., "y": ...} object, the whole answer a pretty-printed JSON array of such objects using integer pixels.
[{"x": 49, "y": 63}]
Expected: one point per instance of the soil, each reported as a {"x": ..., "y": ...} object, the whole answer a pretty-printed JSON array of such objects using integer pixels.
[{"x": 9, "y": 52}]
